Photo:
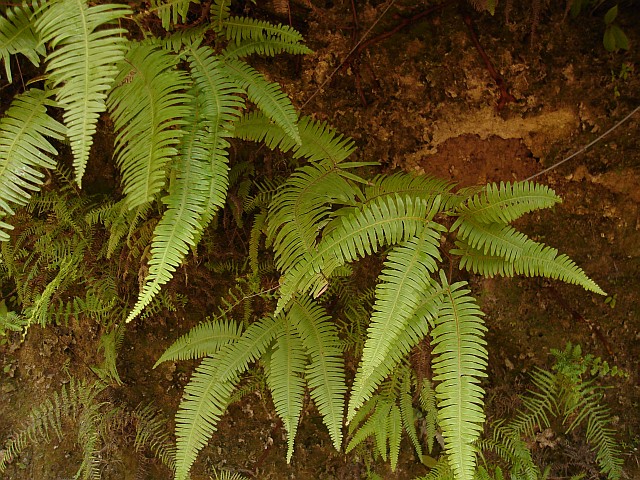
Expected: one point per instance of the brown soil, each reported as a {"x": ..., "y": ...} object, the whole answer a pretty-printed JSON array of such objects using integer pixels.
[{"x": 426, "y": 103}]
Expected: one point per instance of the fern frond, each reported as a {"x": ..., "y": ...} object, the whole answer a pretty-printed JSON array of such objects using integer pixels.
[
  {"x": 268, "y": 47},
  {"x": 238, "y": 29},
  {"x": 325, "y": 372},
  {"x": 506, "y": 202},
  {"x": 460, "y": 360},
  {"x": 18, "y": 35},
  {"x": 171, "y": 12},
  {"x": 408, "y": 416},
  {"x": 428, "y": 405},
  {"x": 538, "y": 405},
  {"x": 205, "y": 339},
  {"x": 285, "y": 379},
  {"x": 319, "y": 141},
  {"x": 299, "y": 209},
  {"x": 82, "y": 65},
  {"x": 394, "y": 427},
  {"x": 387, "y": 221},
  {"x": 148, "y": 106},
  {"x": 188, "y": 194},
  {"x": 599, "y": 435},
  {"x": 532, "y": 259},
  {"x": 494, "y": 239},
  {"x": 24, "y": 147},
  {"x": 405, "y": 279},
  {"x": 219, "y": 12},
  {"x": 151, "y": 432},
  {"x": 423, "y": 186},
  {"x": 268, "y": 96},
  {"x": 207, "y": 395}
]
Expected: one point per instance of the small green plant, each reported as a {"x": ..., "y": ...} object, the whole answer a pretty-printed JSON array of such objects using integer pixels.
[
  {"x": 79, "y": 403},
  {"x": 614, "y": 38}
]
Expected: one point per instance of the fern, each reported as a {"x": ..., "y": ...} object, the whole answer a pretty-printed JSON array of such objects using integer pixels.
[
  {"x": 203, "y": 340},
  {"x": 266, "y": 95},
  {"x": 208, "y": 393},
  {"x": 149, "y": 127},
  {"x": 171, "y": 12},
  {"x": 506, "y": 202},
  {"x": 405, "y": 280},
  {"x": 285, "y": 380},
  {"x": 325, "y": 372},
  {"x": 82, "y": 65},
  {"x": 18, "y": 35},
  {"x": 460, "y": 362},
  {"x": 24, "y": 147}
]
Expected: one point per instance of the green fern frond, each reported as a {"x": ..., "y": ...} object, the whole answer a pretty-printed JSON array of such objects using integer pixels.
[
  {"x": 507, "y": 202},
  {"x": 181, "y": 39},
  {"x": 268, "y": 47},
  {"x": 219, "y": 13},
  {"x": 285, "y": 380},
  {"x": 151, "y": 432},
  {"x": 221, "y": 98},
  {"x": 319, "y": 141},
  {"x": 186, "y": 201},
  {"x": 532, "y": 259},
  {"x": 171, "y": 12},
  {"x": 18, "y": 35},
  {"x": 460, "y": 359},
  {"x": 325, "y": 372},
  {"x": 82, "y": 65},
  {"x": 601, "y": 437},
  {"x": 268, "y": 96},
  {"x": 494, "y": 239},
  {"x": 239, "y": 29},
  {"x": 407, "y": 412},
  {"x": 386, "y": 221},
  {"x": 207, "y": 395},
  {"x": 429, "y": 408},
  {"x": 538, "y": 405},
  {"x": 507, "y": 443},
  {"x": 24, "y": 147},
  {"x": 148, "y": 106},
  {"x": 394, "y": 427},
  {"x": 205, "y": 339},
  {"x": 405, "y": 279},
  {"x": 422, "y": 186},
  {"x": 298, "y": 210}
]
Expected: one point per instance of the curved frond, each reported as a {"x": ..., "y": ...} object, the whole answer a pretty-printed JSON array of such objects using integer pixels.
[
  {"x": 535, "y": 259},
  {"x": 300, "y": 208},
  {"x": 460, "y": 359},
  {"x": 18, "y": 35},
  {"x": 148, "y": 106},
  {"x": 394, "y": 427},
  {"x": 404, "y": 280},
  {"x": 386, "y": 221},
  {"x": 24, "y": 147},
  {"x": 506, "y": 202},
  {"x": 186, "y": 201},
  {"x": 494, "y": 239},
  {"x": 268, "y": 96},
  {"x": 82, "y": 65},
  {"x": 319, "y": 141},
  {"x": 402, "y": 183},
  {"x": 208, "y": 393},
  {"x": 205, "y": 339},
  {"x": 286, "y": 382},
  {"x": 268, "y": 47},
  {"x": 238, "y": 29},
  {"x": 325, "y": 372}
]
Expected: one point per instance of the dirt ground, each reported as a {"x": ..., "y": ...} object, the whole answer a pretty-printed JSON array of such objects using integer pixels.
[{"x": 422, "y": 100}]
